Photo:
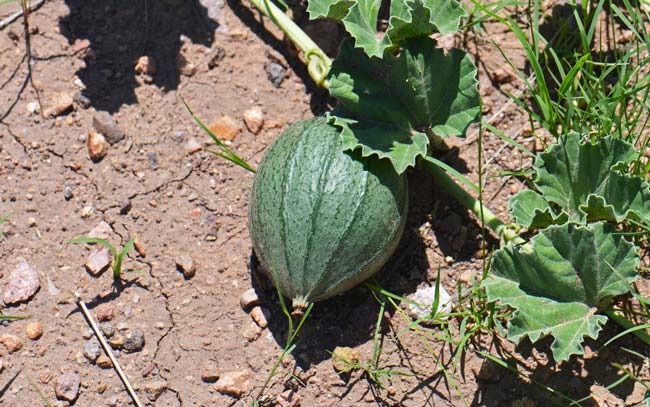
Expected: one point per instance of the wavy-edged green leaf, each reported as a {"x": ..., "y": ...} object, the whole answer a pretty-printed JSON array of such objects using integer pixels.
[
  {"x": 531, "y": 210},
  {"x": 387, "y": 106},
  {"x": 583, "y": 182},
  {"x": 557, "y": 281},
  {"x": 408, "y": 19}
]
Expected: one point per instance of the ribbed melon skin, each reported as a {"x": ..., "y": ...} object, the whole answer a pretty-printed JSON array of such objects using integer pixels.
[{"x": 322, "y": 220}]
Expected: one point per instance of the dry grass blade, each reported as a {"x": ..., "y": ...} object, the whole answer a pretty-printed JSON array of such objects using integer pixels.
[{"x": 109, "y": 352}]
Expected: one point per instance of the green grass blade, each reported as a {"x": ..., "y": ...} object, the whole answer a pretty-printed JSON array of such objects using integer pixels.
[
  {"x": 508, "y": 140},
  {"x": 228, "y": 154},
  {"x": 94, "y": 240},
  {"x": 462, "y": 178},
  {"x": 4, "y": 317}
]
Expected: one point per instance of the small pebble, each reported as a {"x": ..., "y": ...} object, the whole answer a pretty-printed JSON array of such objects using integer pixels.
[
  {"x": 98, "y": 261},
  {"x": 107, "y": 329},
  {"x": 34, "y": 330},
  {"x": 24, "y": 282},
  {"x": 31, "y": 222},
  {"x": 134, "y": 340},
  {"x": 139, "y": 247},
  {"x": 104, "y": 362},
  {"x": 145, "y": 66},
  {"x": 343, "y": 357},
  {"x": 33, "y": 107},
  {"x": 254, "y": 119},
  {"x": 185, "y": 263},
  {"x": 233, "y": 383},
  {"x": 60, "y": 103},
  {"x": 11, "y": 342},
  {"x": 104, "y": 124},
  {"x": 260, "y": 316},
  {"x": 425, "y": 297},
  {"x": 249, "y": 299},
  {"x": 92, "y": 350},
  {"x": 192, "y": 146},
  {"x": 148, "y": 370},
  {"x": 67, "y": 193},
  {"x": 97, "y": 146},
  {"x": 66, "y": 387},
  {"x": 87, "y": 211},
  {"x": 276, "y": 73},
  {"x": 288, "y": 398},
  {"x": 105, "y": 312},
  {"x": 225, "y": 128},
  {"x": 103, "y": 231},
  {"x": 209, "y": 372},
  {"x": 155, "y": 389},
  {"x": 117, "y": 341}
]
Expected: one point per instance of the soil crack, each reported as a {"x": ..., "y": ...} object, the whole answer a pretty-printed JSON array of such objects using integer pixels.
[{"x": 16, "y": 138}]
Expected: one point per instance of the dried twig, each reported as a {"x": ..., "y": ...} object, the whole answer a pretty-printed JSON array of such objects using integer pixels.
[{"x": 107, "y": 349}]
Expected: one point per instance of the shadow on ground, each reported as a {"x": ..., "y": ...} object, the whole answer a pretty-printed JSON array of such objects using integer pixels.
[
  {"x": 122, "y": 31},
  {"x": 557, "y": 384}
]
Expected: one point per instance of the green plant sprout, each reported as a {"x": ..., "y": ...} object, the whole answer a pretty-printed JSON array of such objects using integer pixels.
[
  {"x": 118, "y": 256},
  {"x": 292, "y": 334},
  {"x": 3, "y": 219}
]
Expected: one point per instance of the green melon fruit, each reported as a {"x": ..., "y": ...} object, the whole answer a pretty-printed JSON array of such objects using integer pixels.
[{"x": 323, "y": 220}]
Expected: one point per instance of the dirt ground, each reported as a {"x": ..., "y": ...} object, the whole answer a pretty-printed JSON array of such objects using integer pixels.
[{"x": 185, "y": 205}]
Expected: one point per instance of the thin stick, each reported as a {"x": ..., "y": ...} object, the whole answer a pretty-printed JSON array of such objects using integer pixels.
[
  {"x": 18, "y": 14},
  {"x": 108, "y": 350}
]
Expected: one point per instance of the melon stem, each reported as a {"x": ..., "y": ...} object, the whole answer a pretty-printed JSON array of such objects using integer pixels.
[
  {"x": 506, "y": 233},
  {"x": 318, "y": 63},
  {"x": 298, "y": 307}
]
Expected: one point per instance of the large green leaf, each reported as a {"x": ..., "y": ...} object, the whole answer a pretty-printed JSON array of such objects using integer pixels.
[
  {"x": 388, "y": 106},
  {"x": 408, "y": 19},
  {"x": 557, "y": 282},
  {"x": 583, "y": 182}
]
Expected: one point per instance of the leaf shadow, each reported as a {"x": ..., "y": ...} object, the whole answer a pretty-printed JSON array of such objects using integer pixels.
[
  {"x": 320, "y": 99},
  {"x": 120, "y": 32},
  {"x": 574, "y": 379}
]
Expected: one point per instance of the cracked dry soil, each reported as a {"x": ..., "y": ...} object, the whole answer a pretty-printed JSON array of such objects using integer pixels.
[{"x": 179, "y": 201}]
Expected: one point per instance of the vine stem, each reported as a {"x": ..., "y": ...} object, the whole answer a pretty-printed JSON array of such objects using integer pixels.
[
  {"x": 507, "y": 233},
  {"x": 318, "y": 64}
]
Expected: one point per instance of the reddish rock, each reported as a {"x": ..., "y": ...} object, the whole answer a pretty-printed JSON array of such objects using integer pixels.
[
  {"x": 288, "y": 398},
  {"x": 105, "y": 312},
  {"x": 23, "y": 283},
  {"x": 225, "y": 128},
  {"x": 34, "y": 330},
  {"x": 11, "y": 342}
]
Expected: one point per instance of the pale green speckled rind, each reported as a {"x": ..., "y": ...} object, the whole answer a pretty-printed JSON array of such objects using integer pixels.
[{"x": 323, "y": 220}]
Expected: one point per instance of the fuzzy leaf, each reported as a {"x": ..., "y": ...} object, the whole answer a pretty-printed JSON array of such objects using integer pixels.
[
  {"x": 531, "y": 210},
  {"x": 557, "y": 282},
  {"x": 387, "y": 106},
  {"x": 583, "y": 182},
  {"x": 408, "y": 19}
]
